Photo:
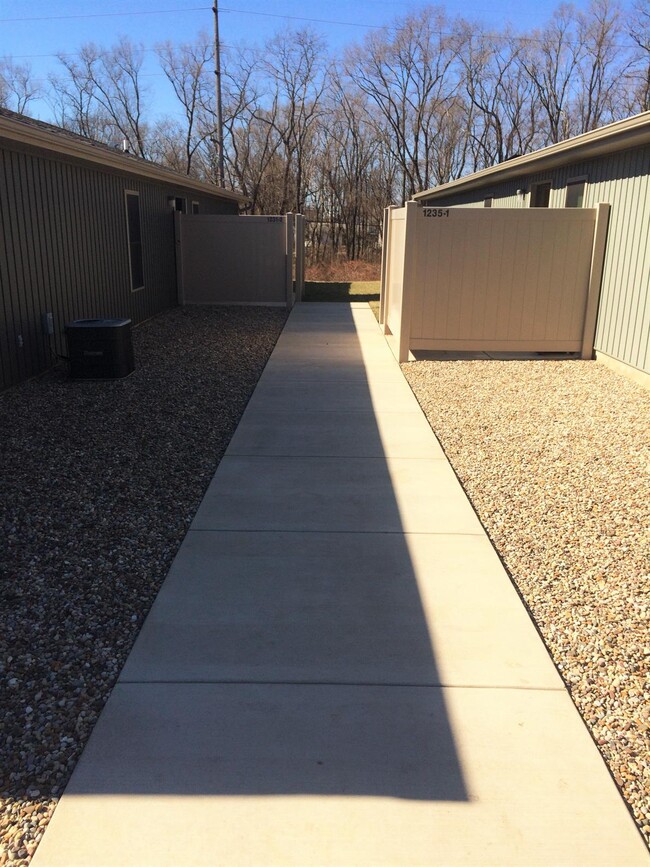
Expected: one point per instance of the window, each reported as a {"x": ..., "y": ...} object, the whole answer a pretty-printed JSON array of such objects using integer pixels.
[
  {"x": 487, "y": 203},
  {"x": 540, "y": 195},
  {"x": 195, "y": 207},
  {"x": 180, "y": 205},
  {"x": 135, "y": 239},
  {"x": 575, "y": 192}
]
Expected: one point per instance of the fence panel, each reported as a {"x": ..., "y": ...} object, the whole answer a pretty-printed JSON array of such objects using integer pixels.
[
  {"x": 236, "y": 259},
  {"x": 502, "y": 280}
]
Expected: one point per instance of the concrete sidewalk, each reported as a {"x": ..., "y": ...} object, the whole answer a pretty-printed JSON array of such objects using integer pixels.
[{"x": 337, "y": 670}]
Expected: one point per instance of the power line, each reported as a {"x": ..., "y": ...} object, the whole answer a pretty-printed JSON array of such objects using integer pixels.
[
  {"x": 78, "y": 53},
  {"x": 188, "y": 9},
  {"x": 487, "y": 36},
  {"x": 103, "y": 15},
  {"x": 140, "y": 75},
  {"x": 303, "y": 18},
  {"x": 388, "y": 27},
  {"x": 58, "y": 54},
  {"x": 311, "y": 20}
]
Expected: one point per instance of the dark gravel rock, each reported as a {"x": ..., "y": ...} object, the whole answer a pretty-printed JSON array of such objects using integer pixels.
[{"x": 99, "y": 482}]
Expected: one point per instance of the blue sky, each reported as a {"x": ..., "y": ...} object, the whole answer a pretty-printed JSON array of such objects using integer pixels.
[{"x": 34, "y": 30}]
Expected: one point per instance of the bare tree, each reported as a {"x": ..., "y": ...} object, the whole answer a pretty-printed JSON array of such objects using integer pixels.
[
  {"x": 552, "y": 61},
  {"x": 101, "y": 94},
  {"x": 73, "y": 99},
  {"x": 602, "y": 70},
  {"x": 295, "y": 66},
  {"x": 639, "y": 28},
  {"x": 416, "y": 104},
  {"x": 408, "y": 72},
  {"x": 121, "y": 94},
  {"x": 342, "y": 196},
  {"x": 502, "y": 122},
  {"x": 17, "y": 88},
  {"x": 167, "y": 145},
  {"x": 251, "y": 144},
  {"x": 188, "y": 69}
]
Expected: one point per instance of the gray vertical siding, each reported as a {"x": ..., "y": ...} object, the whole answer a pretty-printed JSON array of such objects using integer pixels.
[
  {"x": 63, "y": 244},
  {"x": 623, "y": 180}
]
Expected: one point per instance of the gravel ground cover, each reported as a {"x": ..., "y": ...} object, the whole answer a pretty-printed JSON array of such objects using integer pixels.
[
  {"x": 555, "y": 456},
  {"x": 99, "y": 482}
]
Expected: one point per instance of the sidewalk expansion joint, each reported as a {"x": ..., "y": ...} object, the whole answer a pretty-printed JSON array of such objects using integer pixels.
[
  {"x": 383, "y": 458},
  {"x": 344, "y": 457},
  {"x": 480, "y": 533},
  {"x": 344, "y": 683},
  {"x": 341, "y": 411}
]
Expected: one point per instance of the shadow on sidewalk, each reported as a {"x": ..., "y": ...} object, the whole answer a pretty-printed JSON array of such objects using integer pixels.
[{"x": 288, "y": 651}]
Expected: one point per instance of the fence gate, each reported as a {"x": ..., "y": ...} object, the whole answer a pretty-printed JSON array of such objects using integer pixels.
[
  {"x": 492, "y": 279},
  {"x": 239, "y": 259}
]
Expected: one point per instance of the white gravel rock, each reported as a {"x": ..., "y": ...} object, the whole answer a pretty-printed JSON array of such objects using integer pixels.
[{"x": 555, "y": 456}]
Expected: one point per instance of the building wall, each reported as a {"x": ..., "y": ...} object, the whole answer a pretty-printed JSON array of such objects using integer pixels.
[
  {"x": 622, "y": 180},
  {"x": 64, "y": 240}
]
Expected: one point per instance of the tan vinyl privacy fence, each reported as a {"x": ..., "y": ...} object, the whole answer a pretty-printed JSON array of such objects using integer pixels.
[
  {"x": 239, "y": 259},
  {"x": 492, "y": 279}
]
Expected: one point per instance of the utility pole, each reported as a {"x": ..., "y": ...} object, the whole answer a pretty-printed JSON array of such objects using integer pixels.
[{"x": 218, "y": 139}]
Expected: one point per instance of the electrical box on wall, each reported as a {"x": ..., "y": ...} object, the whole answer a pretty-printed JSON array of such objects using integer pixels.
[{"x": 47, "y": 322}]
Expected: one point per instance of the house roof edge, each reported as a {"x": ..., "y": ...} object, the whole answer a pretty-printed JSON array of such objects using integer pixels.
[{"x": 48, "y": 138}]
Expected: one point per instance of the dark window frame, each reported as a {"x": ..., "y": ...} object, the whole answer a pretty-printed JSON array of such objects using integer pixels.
[
  {"x": 545, "y": 186},
  {"x": 134, "y": 239}
]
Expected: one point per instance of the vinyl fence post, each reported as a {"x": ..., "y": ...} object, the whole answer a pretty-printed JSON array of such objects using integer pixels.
[
  {"x": 595, "y": 280},
  {"x": 409, "y": 282},
  {"x": 289, "y": 259},
  {"x": 385, "y": 265}
]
